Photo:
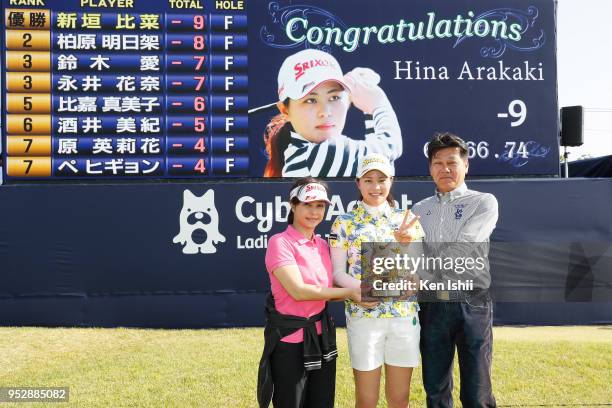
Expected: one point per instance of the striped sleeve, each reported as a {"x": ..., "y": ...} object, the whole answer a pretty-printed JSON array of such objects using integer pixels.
[
  {"x": 340, "y": 157},
  {"x": 383, "y": 133},
  {"x": 296, "y": 160},
  {"x": 327, "y": 159}
]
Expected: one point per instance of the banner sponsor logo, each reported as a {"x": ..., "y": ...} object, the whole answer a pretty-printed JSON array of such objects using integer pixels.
[
  {"x": 248, "y": 211},
  {"x": 199, "y": 220},
  {"x": 199, "y": 224}
]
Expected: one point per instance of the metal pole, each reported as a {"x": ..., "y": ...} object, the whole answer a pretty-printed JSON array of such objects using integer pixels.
[{"x": 565, "y": 156}]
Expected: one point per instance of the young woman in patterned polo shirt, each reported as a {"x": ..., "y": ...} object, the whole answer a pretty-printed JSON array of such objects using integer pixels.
[{"x": 385, "y": 332}]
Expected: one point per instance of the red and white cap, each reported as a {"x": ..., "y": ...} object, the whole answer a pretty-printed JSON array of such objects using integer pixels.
[
  {"x": 307, "y": 193},
  {"x": 304, "y": 71}
]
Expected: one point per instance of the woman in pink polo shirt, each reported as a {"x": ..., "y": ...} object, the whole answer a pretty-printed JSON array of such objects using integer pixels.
[{"x": 298, "y": 366}]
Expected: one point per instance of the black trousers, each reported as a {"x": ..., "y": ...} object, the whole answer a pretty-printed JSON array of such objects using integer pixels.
[
  {"x": 294, "y": 387},
  {"x": 466, "y": 326}
]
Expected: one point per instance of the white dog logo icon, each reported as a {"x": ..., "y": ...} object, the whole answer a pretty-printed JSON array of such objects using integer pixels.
[{"x": 199, "y": 224}]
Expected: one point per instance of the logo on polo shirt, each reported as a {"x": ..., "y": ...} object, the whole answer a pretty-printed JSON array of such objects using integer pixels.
[
  {"x": 459, "y": 211},
  {"x": 199, "y": 224}
]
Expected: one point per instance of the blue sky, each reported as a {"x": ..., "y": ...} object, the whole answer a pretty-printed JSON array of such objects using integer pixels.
[{"x": 584, "y": 63}]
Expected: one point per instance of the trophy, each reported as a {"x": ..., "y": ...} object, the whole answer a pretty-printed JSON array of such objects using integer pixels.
[{"x": 390, "y": 283}]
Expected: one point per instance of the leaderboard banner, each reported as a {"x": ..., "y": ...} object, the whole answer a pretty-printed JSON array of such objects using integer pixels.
[
  {"x": 127, "y": 88},
  {"x": 115, "y": 89}
]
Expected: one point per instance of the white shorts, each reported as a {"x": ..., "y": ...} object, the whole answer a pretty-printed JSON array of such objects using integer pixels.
[{"x": 374, "y": 341}]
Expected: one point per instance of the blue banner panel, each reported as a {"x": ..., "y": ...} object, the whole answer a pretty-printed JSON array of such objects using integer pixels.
[
  {"x": 133, "y": 255},
  {"x": 485, "y": 70}
]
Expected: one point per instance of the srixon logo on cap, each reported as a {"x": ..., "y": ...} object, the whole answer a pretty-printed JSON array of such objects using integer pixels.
[
  {"x": 301, "y": 67},
  {"x": 310, "y": 192},
  {"x": 310, "y": 187}
]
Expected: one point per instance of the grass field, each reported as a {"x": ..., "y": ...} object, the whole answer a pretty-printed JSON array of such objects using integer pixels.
[{"x": 535, "y": 366}]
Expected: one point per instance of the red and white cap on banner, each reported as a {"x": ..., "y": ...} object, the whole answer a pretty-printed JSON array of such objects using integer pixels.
[
  {"x": 304, "y": 71},
  {"x": 310, "y": 192}
]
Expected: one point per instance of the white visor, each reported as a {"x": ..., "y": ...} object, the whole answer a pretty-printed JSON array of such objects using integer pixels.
[{"x": 309, "y": 193}]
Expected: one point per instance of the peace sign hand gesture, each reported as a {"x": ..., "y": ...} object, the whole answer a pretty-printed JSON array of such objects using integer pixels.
[{"x": 403, "y": 234}]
